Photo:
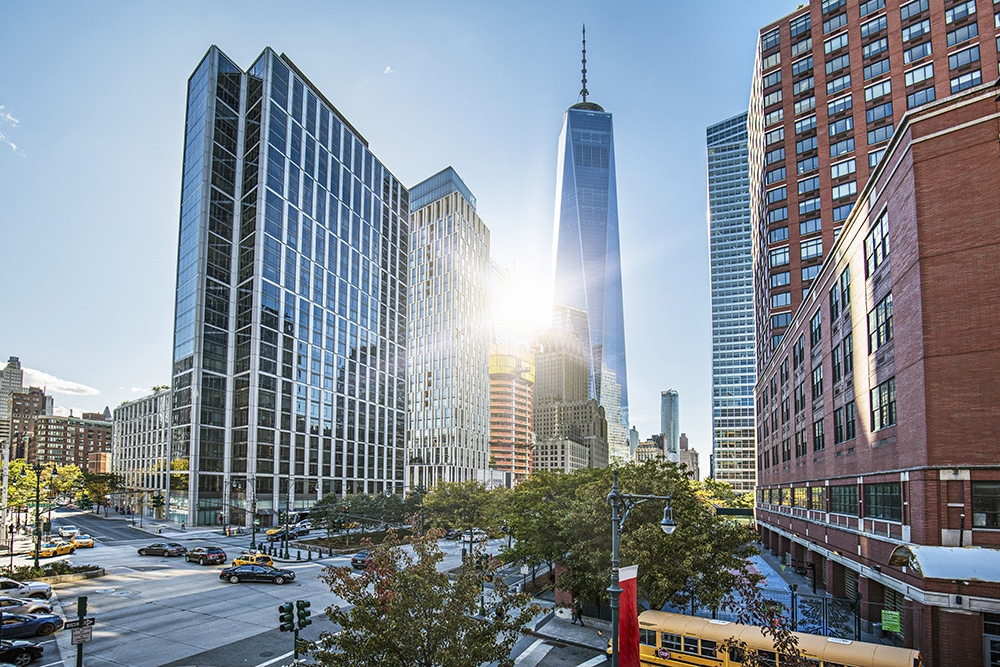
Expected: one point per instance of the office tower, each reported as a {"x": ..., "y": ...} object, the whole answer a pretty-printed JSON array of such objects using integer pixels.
[
  {"x": 670, "y": 423},
  {"x": 831, "y": 82},
  {"x": 587, "y": 255},
  {"x": 141, "y": 451},
  {"x": 633, "y": 440},
  {"x": 733, "y": 363},
  {"x": 289, "y": 340},
  {"x": 11, "y": 380},
  {"x": 512, "y": 410},
  {"x": 72, "y": 440},
  {"x": 689, "y": 457},
  {"x": 648, "y": 450},
  {"x": 877, "y": 413},
  {"x": 448, "y": 348}
]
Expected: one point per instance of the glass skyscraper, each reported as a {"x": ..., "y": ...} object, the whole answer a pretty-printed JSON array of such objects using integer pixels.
[
  {"x": 670, "y": 423},
  {"x": 290, "y": 326},
  {"x": 588, "y": 257},
  {"x": 731, "y": 259}
]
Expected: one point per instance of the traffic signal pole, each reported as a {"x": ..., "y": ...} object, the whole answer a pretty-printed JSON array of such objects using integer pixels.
[{"x": 292, "y": 618}]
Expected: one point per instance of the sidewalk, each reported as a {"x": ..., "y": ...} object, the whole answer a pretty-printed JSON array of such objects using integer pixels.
[{"x": 557, "y": 626}]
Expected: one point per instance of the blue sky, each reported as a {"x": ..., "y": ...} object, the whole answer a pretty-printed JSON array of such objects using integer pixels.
[{"x": 91, "y": 130}]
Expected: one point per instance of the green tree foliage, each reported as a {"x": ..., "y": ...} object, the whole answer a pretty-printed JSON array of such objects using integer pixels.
[
  {"x": 462, "y": 505},
  {"x": 722, "y": 494},
  {"x": 403, "y": 611},
  {"x": 100, "y": 486}
]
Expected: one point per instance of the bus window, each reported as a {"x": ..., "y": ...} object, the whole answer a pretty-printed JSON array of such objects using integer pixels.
[
  {"x": 736, "y": 654},
  {"x": 767, "y": 658},
  {"x": 691, "y": 645},
  {"x": 647, "y": 637},
  {"x": 670, "y": 641},
  {"x": 708, "y": 648}
]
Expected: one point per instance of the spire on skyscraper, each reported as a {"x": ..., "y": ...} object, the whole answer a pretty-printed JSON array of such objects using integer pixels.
[{"x": 584, "y": 92}]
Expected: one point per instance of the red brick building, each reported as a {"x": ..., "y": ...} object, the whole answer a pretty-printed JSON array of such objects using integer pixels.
[{"x": 878, "y": 411}]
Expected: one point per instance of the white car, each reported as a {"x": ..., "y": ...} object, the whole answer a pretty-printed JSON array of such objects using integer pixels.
[
  {"x": 67, "y": 532},
  {"x": 28, "y": 589},
  {"x": 24, "y": 606},
  {"x": 475, "y": 535}
]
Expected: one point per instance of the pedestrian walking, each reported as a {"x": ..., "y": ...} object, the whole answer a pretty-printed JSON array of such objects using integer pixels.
[{"x": 578, "y": 613}]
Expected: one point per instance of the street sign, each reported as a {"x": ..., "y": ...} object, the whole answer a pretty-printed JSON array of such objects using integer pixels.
[
  {"x": 82, "y": 635},
  {"x": 76, "y": 623},
  {"x": 891, "y": 620},
  {"x": 525, "y": 569}
]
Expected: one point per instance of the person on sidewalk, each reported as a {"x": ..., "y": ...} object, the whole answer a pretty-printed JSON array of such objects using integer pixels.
[{"x": 578, "y": 613}]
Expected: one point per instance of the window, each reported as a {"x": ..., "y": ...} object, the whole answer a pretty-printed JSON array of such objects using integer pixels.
[
  {"x": 816, "y": 328},
  {"x": 770, "y": 40},
  {"x": 917, "y": 52},
  {"x": 670, "y": 641},
  {"x": 808, "y": 104},
  {"x": 842, "y": 168},
  {"x": 837, "y": 359},
  {"x": 838, "y": 84},
  {"x": 875, "y": 157},
  {"x": 807, "y": 165},
  {"x": 803, "y": 86},
  {"x": 819, "y": 442},
  {"x": 967, "y": 80},
  {"x": 986, "y": 504},
  {"x": 809, "y": 205},
  {"x": 775, "y": 175},
  {"x": 805, "y": 124},
  {"x": 911, "y": 9},
  {"x": 817, "y": 383},
  {"x": 776, "y": 155},
  {"x": 844, "y": 499},
  {"x": 916, "y": 30},
  {"x": 838, "y": 63},
  {"x": 960, "y": 11},
  {"x": 838, "y": 426},
  {"x": 772, "y": 60},
  {"x": 808, "y": 273},
  {"x": 874, "y": 48},
  {"x": 777, "y": 235},
  {"x": 809, "y": 185},
  {"x": 959, "y": 35},
  {"x": 839, "y": 105},
  {"x": 920, "y": 97},
  {"x": 777, "y": 215},
  {"x": 804, "y": 46},
  {"x": 841, "y": 126},
  {"x": 775, "y": 116},
  {"x": 880, "y": 134},
  {"x": 867, "y": 8},
  {"x": 879, "y": 112},
  {"x": 915, "y": 76},
  {"x": 776, "y": 195},
  {"x": 834, "y": 44},
  {"x": 772, "y": 98},
  {"x": 872, "y": 27},
  {"x": 883, "y": 501},
  {"x": 781, "y": 279},
  {"x": 807, "y": 227},
  {"x": 840, "y": 213},
  {"x": 830, "y": 5},
  {"x": 800, "y": 25},
  {"x": 963, "y": 57},
  {"x": 841, "y": 147},
  {"x": 838, "y": 21},
  {"x": 778, "y": 257},
  {"x": 806, "y": 145},
  {"x": 811, "y": 249},
  {"x": 772, "y": 79},
  {"x": 802, "y": 66},
  {"x": 883, "y": 398},
  {"x": 876, "y": 90},
  {"x": 800, "y": 443},
  {"x": 845, "y": 289},
  {"x": 880, "y": 324},
  {"x": 849, "y": 421},
  {"x": 817, "y": 498},
  {"x": 781, "y": 299},
  {"x": 877, "y": 68},
  {"x": 845, "y": 190},
  {"x": 799, "y": 352}
]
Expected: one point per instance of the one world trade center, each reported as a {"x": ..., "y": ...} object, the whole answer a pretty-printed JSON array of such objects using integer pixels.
[{"x": 588, "y": 281}]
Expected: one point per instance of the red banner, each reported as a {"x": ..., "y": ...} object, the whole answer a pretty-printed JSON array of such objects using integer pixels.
[{"x": 628, "y": 619}]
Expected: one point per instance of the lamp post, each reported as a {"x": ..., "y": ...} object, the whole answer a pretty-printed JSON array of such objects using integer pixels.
[
  {"x": 621, "y": 505},
  {"x": 37, "y": 468}
]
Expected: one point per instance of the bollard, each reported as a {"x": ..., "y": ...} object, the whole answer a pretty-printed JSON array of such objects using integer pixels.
[
  {"x": 298, "y": 555},
  {"x": 310, "y": 553}
]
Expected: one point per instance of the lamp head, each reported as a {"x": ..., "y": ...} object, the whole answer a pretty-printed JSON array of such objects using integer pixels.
[{"x": 667, "y": 524}]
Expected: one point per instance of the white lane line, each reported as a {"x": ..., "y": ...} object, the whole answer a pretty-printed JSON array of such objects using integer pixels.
[
  {"x": 533, "y": 655},
  {"x": 593, "y": 662},
  {"x": 274, "y": 660}
]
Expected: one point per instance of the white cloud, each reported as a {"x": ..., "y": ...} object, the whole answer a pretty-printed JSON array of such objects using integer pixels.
[
  {"x": 388, "y": 70},
  {"x": 6, "y": 119},
  {"x": 52, "y": 384}
]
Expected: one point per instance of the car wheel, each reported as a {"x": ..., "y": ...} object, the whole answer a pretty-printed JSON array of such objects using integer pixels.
[
  {"x": 37, "y": 596},
  {"x": 201, "y": 561},
  {"x": 279, "y": 580},
  {"x": 234, "y": 579},
  {"x": 46, "y": 629},
  {"x": 142, "y": 552},
  {"x": 22, "y": 658}
]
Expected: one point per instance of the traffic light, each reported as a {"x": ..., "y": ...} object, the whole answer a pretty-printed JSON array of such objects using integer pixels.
[
  {"x": 303, "y": 612},
  {"x": 285, "y": 617},
  {"x": 158, "y": 500}
]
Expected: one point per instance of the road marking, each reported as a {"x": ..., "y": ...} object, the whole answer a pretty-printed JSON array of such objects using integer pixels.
[
  {"x": 274, "y": 660},
  {"x": 533, "y": 655},
  {"x": 593, "y": 662}
]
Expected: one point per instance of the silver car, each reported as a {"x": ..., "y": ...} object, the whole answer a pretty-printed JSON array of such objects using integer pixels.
[
  {"x": 10, "y": 605},
  {"x": 28, "y": 589}
]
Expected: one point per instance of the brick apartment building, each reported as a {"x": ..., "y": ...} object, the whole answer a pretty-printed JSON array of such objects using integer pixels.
[{"x": 877, "y": 411}]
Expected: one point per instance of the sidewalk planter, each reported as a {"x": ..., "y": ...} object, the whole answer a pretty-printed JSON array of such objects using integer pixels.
[{"x": 79, "y": 576}]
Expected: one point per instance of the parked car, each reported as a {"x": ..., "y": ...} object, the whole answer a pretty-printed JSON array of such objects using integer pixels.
[
  {"x": 67, "y": 532},
  {"x": 50, "y": 549},
  {"x": 241, "y": 573},
  {"x": 162, "y": 549},
  {"x": 475, "y": 535},
  {"x": 28, "y": 589},
  {"x": 20, "y": 652},
  {"x": 82, "y": 540},
  {"x": 253, "y": 558},
  {"x": 452, "y": 534},
  {"x": 361, "y": 560},
  {"x": 30, "y": 625},
  {"x": 206, "y": 556},
  {"x": 24, "y": 606}
]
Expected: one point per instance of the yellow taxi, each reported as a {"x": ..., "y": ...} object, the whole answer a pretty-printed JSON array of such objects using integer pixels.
[
  {"x": 50, "y": 549},
  {"x": 274, "y": 531},
  {"x": 253, "y": 558},
  {"x": 82, "y": 541}
]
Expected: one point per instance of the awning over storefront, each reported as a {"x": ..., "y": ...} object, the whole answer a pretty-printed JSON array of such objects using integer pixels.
[{"x": 955, "y": 563}]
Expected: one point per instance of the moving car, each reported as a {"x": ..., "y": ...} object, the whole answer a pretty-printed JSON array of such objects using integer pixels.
[
  {"x": 293, "y": 532},
  {"x": 82, "y": 540},
  {"x": 10, "y": 605},
  {"x": 20, "y": 652},
  {"x": 162, "y": 549},
  {"x": 66, "y": 532},
  {"x": 206, "y": 556},
  {"x": 50, "y": 549},
  {"x": 28, "y": 589},
  {"x": 361, "y": 560},
  {"x": 253, "y": 558},
  {"x": 30, "y": 625},
  {"x": 241, "y": 573},
  {"x": 475, "y": 535}
]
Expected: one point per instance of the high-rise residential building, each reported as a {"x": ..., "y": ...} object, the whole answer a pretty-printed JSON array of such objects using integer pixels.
[
  {"x": 71, "y": 440},
  {"x": 11, "y": 380},
  {"x": 877, "y": 413},
  {"x": 448, "y": 347},
  {"x": 290, "y": 326},
  {"x": 512, "y": 410},
  {"x": 141, "y": 454},
  {"x": 670, "y": 423},
  {"x": 24, "y": 407},
  {"x": 831, "y": 82},
  {"x": 689, "y": 457},
  {"x": 731, "y": 269},
  {"x": 588, "y": 258}
]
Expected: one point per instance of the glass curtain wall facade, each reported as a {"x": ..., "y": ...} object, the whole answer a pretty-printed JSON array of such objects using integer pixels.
[
  {"x": 730, "y": 257},
  {"x": 670, "y": 423},
  {"x": 588, "y": 258},
  {"x": 449, "y": 341},
  {"x": 289, "y": 341}
]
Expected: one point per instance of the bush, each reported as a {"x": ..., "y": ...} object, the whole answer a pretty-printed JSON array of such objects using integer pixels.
[{"x": 55, "y": 568}]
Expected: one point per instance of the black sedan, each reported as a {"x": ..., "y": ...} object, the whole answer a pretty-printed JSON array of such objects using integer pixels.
[
  {"x": 361, "y": 560},
  {"x": 162, "y": 549},
  {"x": 20, "y": 652},
  {"x": 206, "y": 556},
  {"x": 241, "y": 573},
  {"x": 30, "y": 625}
]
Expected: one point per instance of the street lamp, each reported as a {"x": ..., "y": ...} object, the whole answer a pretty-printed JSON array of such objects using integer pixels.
[
  {"x": 38, "y": 467},
  {"x": 621, "y": 505}
]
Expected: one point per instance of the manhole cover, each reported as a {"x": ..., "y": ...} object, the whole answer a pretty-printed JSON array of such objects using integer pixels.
[
  {"x": 265, "y": 654},
  {"x": 122, "y": 593},
  {"x": 104, "y": 590}
]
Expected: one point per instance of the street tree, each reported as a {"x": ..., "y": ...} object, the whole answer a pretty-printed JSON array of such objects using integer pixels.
[
  {"x": 465, "y": 505},
  {"x": 402, "y": 610},
  {"x": 100, "y": 486}
]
